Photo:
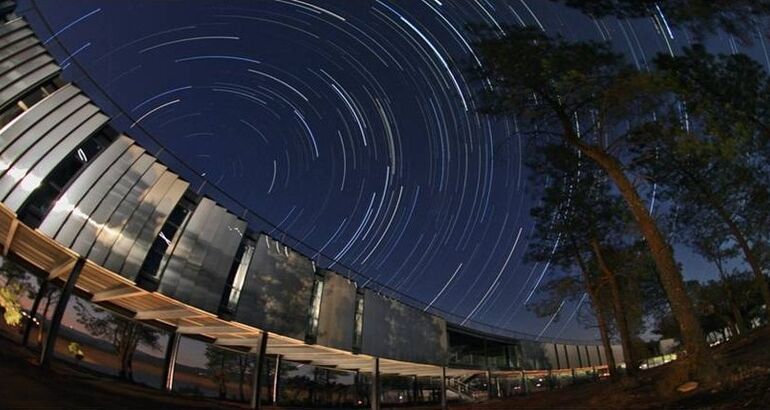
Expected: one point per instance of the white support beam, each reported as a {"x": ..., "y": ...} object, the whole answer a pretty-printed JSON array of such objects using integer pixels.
[
  {"x": 287, "y": 345},
  {"x": 247, "y": 342},
  {"x": 200, "y": 330},
  {"x": 9, "y": 236},
  {"x": 283, "y": 350},
  {"x": 63, "y": 268},
  {"x": 340, "y": 366},
  {"x": 166, "y": 314},
  {"x": 120, "y": 292},
  {"x": 314, "y": 353}
]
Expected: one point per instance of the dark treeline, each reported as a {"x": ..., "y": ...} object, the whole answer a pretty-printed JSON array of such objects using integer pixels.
[{"x": 690, "y": 132}]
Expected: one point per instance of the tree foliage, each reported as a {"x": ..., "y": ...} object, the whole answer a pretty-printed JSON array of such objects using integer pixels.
[
  {"x": 584, "y": 96},
  {"x": 701, "y": 17},
  {"x": 708, "y": 153},
  {"x": 15, "y": 286}
]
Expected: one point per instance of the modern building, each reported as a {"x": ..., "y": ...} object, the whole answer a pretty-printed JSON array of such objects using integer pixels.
[{"x": 86, "y": 206}]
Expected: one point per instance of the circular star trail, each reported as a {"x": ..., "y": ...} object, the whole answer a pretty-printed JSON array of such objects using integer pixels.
[{"x": 349, "y": 125}]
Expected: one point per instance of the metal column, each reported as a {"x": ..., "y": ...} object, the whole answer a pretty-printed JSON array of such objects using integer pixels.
[
  {"x": 172, "y": 350},
  {"x": 415, "y": 389},
  {"x": 256, "y": 382},
  {"x": 375, "y": 389},
  {"x": 50, "y": 340},
  {"x": 276, "y": 379},
  {"x": 443, "y": 388}
]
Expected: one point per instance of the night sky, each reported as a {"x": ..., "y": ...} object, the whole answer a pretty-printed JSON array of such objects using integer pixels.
[{"x": 350, "y": 125}]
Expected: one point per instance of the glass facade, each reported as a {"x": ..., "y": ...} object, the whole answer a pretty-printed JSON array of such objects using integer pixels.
[
  {"x": 161, "y": 246},
  {"x": 45, "y": 194}
]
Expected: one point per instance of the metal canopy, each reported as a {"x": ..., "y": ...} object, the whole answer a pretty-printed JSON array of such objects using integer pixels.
[{"x": 110, "y": 290}]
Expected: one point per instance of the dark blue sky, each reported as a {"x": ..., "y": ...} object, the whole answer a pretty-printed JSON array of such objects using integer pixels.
[{"x": 348, "y": 124}]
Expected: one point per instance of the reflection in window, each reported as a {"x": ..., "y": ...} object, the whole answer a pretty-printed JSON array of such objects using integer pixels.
[
  {"x": 466, "y": 349},
  {"x": 238, "y": 275},
  {"x": 161, "y": 248},
  {"x": 50, "y": 188},
  {"x": 315, "y": 309},
  {"x": 358, "y": 329}
]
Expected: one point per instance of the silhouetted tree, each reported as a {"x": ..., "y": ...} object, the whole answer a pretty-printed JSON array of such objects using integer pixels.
[
  {"x": 709, "y": 152},
  {"x": 575, "y": 209},
  {"x": 736, "y": 17},
  {"x": 583, "y": 95},
  {"x": 715, "y": 310},
  {"x": 221, "y": 362}
]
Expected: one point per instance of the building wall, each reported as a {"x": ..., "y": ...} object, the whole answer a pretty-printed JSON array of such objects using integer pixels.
[{"x": 198, "y": 268}]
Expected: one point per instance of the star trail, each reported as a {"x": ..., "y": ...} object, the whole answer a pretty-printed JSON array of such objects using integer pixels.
[{"x": 350, "y": 126}]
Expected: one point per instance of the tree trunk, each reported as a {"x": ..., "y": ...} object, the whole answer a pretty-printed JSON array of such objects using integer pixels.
[
  {"x": 601, "y": 320},
  {"x": 670, "y": 277},
  {"x": 618, "y": 309},
  {"x": 126, "y": 347}
]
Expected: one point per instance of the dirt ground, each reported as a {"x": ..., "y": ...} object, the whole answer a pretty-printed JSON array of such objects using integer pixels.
[
  {"x": 745, "y": 364},
  {"x": 24, "y": 385}
]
